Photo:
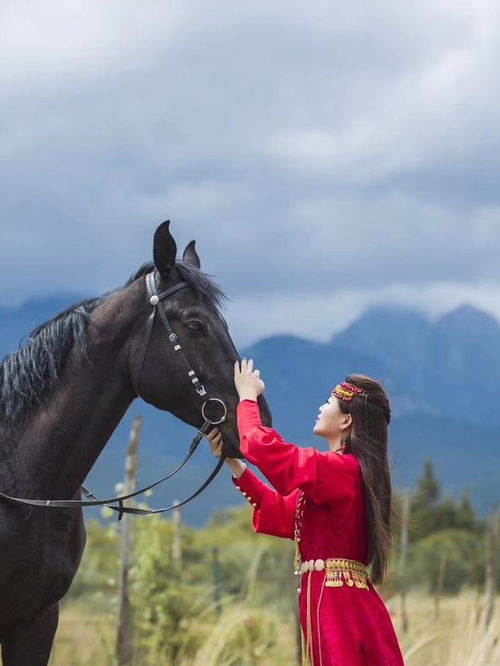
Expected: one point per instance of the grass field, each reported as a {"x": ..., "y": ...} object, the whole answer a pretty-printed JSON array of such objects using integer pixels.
[{"x": 456, "y": 637}]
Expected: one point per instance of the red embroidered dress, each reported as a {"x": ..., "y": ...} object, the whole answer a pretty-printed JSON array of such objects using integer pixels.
[{"x": 319, "y": 497}]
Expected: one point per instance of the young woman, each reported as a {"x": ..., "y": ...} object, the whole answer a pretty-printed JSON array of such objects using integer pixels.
[{"x": 336, "y": 505}]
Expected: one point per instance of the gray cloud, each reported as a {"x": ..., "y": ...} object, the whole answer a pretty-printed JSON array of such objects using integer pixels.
[{"x": 322, "y": 156}]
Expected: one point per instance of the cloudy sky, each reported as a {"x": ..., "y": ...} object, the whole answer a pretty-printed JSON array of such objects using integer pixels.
[{"x": 326, "y": 157}]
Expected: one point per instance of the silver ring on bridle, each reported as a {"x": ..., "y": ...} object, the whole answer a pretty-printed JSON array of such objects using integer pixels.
[{"x": 205, "y": 418}]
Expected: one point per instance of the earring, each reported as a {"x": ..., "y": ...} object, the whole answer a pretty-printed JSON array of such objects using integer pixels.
[{"x": 343, "y": 445}]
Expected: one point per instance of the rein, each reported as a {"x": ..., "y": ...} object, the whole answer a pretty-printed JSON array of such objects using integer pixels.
[{"x": 155, "y": 300}]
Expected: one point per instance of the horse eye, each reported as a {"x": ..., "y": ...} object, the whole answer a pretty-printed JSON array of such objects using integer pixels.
[{"x": 195, "y": 326}]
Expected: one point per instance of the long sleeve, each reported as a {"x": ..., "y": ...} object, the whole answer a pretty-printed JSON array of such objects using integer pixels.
[
  {"x": 272, "y": 513},
  {"x": 323, "y": 476}
]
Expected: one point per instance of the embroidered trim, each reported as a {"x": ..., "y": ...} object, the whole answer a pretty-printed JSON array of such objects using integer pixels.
[{"x": 299, "y": 512}]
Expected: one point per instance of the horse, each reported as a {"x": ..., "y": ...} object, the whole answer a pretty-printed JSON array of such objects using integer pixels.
[{"x": 63, "y": 393}]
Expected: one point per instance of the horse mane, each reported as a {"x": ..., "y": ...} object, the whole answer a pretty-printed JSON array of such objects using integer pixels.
[{"x": 28, "y": 373}]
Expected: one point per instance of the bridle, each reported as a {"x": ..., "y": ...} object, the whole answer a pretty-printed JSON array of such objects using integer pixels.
[{"x": 155, "y": 299}]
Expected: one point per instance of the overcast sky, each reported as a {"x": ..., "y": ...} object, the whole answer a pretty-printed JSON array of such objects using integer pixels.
[{"x": 326, "y": 157}]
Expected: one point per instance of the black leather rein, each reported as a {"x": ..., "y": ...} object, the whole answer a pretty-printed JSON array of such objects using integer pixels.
[{"x": 155, "y": 300}]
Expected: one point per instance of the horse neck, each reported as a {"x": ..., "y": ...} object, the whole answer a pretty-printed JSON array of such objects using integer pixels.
[{"x": 66, "y": 434}]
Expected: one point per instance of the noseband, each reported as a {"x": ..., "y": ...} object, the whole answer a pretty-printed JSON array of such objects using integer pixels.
[{"x": 155, "y": 299}]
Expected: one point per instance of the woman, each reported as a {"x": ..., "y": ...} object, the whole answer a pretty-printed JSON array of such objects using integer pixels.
[{"x": 336, "y": 505}]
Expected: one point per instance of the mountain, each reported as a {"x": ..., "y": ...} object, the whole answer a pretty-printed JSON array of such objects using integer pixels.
[
  {"x": 447, "y": 368},
  {"x": 441, "y": 376},
  {"x": 18, "y": 321}
]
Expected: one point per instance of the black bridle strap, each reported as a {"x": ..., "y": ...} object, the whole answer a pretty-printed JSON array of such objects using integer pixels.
[
  {"x": 146, "y": 512},
  {"x": 155, "y": 299},
  {"x": 151, "y": 291},
  {"x": 120, "y": 509},
  {"x": 74, "y": 504}
]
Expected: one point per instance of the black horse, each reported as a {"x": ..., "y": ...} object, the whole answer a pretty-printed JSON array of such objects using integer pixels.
[{"x": 61, "y": 397}]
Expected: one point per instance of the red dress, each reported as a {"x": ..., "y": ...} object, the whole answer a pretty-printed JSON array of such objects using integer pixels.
[{"x": 344, "y": 623}]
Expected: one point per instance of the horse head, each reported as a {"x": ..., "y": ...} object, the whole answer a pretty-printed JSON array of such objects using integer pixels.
[{"x": 201, "y": 346}]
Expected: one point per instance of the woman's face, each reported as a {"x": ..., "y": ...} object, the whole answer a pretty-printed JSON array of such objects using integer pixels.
[{"x": 331, "y": 421}]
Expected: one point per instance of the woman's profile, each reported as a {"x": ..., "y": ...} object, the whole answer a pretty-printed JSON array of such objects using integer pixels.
[{"x": 336, "y": 505}]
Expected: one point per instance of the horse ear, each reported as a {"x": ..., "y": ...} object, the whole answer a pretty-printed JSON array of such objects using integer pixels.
[
  {"x": 164, "y": 249},
  {"x": 190, "y": 255}
]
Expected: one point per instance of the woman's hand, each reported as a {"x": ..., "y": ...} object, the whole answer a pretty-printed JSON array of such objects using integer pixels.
[
  {"x": 247, "y": 380},
  {"x": 216, "y": 443}
]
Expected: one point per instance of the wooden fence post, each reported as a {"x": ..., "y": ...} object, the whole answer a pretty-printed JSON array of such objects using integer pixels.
[
  {"x": 438, "y": 592},
  {"x": 491, "y": 565},
  {"x": 217, "y": 580},
  {"x": 403, "y": 557},
  {"x": 176, "y": 536},
  {"x": 124, "y": 634}
]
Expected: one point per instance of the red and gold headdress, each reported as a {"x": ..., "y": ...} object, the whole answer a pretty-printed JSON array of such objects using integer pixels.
[{"x": 346, "y": 392}]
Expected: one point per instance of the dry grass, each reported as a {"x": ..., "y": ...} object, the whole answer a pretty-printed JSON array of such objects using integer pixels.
[
  {"x": 85, "y": 641},
  {"x": 457, "y": 637},
  {"x": 84, "y": 638}
]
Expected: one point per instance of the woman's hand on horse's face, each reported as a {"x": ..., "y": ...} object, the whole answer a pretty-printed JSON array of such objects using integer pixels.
[
  {"x": 215, "y": 441},
  {"x": 247, "y": 380}
]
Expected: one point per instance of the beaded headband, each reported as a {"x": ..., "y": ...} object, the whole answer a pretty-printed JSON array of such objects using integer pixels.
[{"x": 346, "y": 392}]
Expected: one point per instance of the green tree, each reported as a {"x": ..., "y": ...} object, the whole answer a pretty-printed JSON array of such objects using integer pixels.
[
  {"x": 424, "y": 516},
  {"x": 466, "y": 517},
  {"x": 428, "y": 487},
  {"x": 165, "y": 606},
  {"x": 456, "y": 552}
]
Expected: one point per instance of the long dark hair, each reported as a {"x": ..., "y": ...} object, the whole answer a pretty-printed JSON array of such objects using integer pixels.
[{"x": 367, "y": 440}]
